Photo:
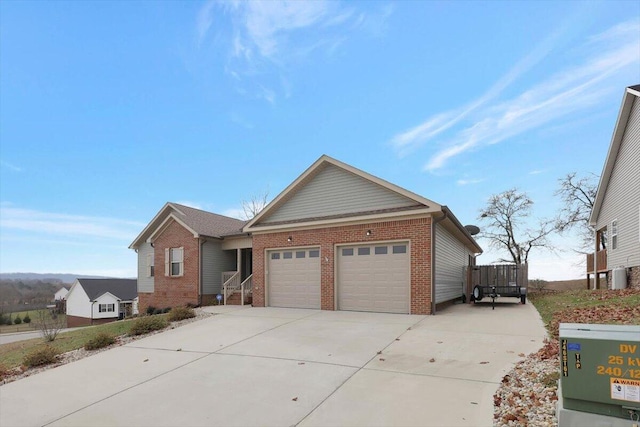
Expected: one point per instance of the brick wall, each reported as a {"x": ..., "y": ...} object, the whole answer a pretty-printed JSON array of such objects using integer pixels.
[
  {"x": 417, "y": 231},
  {"x": 174, "y": 291},
  {"x": 75, "y": 321},
  {"x": 633, "y": 277}
]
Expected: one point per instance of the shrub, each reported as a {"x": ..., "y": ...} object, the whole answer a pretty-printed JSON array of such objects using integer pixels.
[
  {"x": 4, "y": 372},
  {"x": 158, "y": 311},
  {"x": 26, "y": 319},
  {"x": 151, "y": 310},
  {"x": 181, "y": 313},
  {"x": 146, "y": 324},
  {"x": 166, "y": 310},
  {"x": 101, "y": 340},
  {"x": 17, "y": 320},
  {"x": 44, "y": 356}
]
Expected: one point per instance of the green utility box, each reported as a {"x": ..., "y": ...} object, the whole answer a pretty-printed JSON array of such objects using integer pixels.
[{"x": 600, "y": 368}]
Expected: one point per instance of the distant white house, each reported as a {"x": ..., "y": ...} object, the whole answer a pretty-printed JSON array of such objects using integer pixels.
[
  {"x": 95, "y": 301},
  {"x": 61, "y": 294}
]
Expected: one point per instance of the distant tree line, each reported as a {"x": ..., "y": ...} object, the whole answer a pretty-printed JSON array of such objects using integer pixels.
[{"x": 24, "y": 294}]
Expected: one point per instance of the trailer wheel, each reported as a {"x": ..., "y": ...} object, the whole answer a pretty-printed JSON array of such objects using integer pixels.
[
  {"x": 523, "y": 298},
  {"x": 478, "y": 293}
]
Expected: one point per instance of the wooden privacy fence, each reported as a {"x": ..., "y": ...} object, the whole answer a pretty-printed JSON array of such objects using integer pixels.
[{"x": 496, "y": 275}]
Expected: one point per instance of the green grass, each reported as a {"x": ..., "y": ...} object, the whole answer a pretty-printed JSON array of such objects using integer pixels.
[
  {"x": 562, "y": 305},
  {"x": 12, "y": 354},
  {"x": 23, "y": 327}
]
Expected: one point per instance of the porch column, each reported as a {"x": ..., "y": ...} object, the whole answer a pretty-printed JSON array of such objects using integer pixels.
[
  {"x": 596, "y": 275},
  {"x": 239, "y": 262}
]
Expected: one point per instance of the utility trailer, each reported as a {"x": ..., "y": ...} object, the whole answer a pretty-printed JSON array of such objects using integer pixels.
[{"x": 499, "y": 280}]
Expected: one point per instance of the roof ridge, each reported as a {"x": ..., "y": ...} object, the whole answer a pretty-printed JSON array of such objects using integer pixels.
[{"x": 206, "y": 212}]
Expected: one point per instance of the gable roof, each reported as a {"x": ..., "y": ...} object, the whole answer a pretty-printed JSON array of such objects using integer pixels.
[
  {"x": 415, "y": 201},
  {"x": 200, "y": 223},
  {"x": 630, "y": 94},
  {"x": 408, "y": 203},
  {"x": 124, "y": 289}
]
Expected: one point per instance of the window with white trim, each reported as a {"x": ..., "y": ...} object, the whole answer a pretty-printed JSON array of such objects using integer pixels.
[
  {"x": 174, "y": 262},
  {"x": 150, "y": 265},
  {"x": 614, "y": 234},
  {"x": 106, "y": 308}
]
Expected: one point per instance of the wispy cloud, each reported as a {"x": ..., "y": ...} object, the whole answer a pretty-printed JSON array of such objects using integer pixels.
[
  {"x": 10, "y": 166},
  {"x": 71, "y": 226},
  {"x": 537, "y": 172},
  {"x": 469, "y": 181},
  {"x": 191, "y": 204},
  {"x": 490, "y": 120},
  {"x": 266, "y": 36},
  {"x": 237, "y": 213}
]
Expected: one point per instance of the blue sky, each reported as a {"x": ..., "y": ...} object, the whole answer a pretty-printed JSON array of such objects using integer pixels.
[{"x": 110, "y": 109}]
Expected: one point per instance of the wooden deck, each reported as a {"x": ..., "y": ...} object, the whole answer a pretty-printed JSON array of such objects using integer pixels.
[{"x": 602, "y": 262}]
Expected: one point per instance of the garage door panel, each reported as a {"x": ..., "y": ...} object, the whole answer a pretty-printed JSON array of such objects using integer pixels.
[
  {"x": 294, "y": 278},
  {"x": 374, "y": 278}
]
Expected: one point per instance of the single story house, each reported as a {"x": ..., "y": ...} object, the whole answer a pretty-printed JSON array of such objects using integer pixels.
[
  {"x": 196, "y": 252},
  {"x": 61, "y": 294},
  {"x": 337, "y": 238},
  {"x": 96, "y": 301},
  {"x": 616, "y": 211}
]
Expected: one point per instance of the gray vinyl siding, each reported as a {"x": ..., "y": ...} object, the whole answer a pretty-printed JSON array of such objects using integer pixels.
[
  {"x": 451, "y": 258},
  {"x": 334, "y": 191},
  {"x": 214, "y": 262},
  {"x": 622, "y": 197},
  {"x": 145, "y": 284}
]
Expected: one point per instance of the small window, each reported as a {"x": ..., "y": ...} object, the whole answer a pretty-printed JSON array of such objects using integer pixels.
[
  {"x": 400, "y": 249},
  {"x": 150, "y": 265},
  {"x": 347, "y": 252},
  {"x": 301, "y": 254},
  {"x": 364, "y": 251},
  {"x": 287, "y": 255},
  {"x": 106, "y": 308},
  {"x": 275, "y": 255},
  {"x": 174, "y": 259},
  {"x": 614, "y": 234},
  {"x": 380, "y": 250},
  {"x": 314, "y": 254}
]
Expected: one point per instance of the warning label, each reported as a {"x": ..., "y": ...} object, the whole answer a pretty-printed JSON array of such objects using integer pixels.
[{"x": 624, "y": 389}]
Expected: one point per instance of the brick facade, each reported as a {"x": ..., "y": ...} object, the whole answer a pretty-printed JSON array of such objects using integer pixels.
[
  {"x": 75, "y": 321},
  {"x": 633, "y": 277},
  {"x": 172, "y": 291},
  {"x": 417, "y": 231}
]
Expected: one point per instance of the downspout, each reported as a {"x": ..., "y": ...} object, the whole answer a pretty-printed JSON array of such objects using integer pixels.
[
  {"x": 201, "y": 272},
  {"x": 92, "y": 302},
  {"x": 434, "y": 223}
]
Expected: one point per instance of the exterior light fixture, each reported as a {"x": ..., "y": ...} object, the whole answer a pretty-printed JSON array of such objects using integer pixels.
[
  {"x": 369, "y": 233},
  {"x": 289, "y": 239}
]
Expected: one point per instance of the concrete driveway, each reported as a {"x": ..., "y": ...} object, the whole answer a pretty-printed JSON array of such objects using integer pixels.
[{"x": 284, "y": 367}]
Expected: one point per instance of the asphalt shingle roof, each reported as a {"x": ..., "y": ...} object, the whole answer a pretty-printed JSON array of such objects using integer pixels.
[
  {"x": 207, "y": 223},
  {"x": 125, "y": 289}
]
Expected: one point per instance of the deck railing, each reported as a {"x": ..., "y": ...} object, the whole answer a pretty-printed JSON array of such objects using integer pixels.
[
  {"x": 231, "y": 284},
  {"x": 246, "y": 287},
  {"x": 601, "y": 258}
]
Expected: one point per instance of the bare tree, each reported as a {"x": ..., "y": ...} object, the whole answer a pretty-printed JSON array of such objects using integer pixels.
[
  {"x": 503, "y": 218},
  {"x": 578, "y": 194},
  {"x": 49, "y": 323},
  {"x": 253, "y": 206}
]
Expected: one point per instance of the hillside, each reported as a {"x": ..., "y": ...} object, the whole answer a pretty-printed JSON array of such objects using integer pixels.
[{"x": 63, "y": 278}]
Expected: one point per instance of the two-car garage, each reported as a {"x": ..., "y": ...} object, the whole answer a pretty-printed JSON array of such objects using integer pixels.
[{"x": 369, "y": 277}]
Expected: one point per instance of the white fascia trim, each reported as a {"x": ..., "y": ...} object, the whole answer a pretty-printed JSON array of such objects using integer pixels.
[
  {"x": 166, "y": 223},
  {"x": 612, "y": 155},
  {"x": 309, "y": 225},
  {"x": 326, "y": 159}
]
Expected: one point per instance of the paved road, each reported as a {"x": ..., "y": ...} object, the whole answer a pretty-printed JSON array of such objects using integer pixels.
[
  {"x": 285, "y": 367},
  {"x": 22, "y": 336}
]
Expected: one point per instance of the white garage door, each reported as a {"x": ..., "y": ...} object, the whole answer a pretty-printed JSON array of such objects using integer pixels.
[
  {"x": 374, "y": 278},
  {"x": 294, "y": 278}
]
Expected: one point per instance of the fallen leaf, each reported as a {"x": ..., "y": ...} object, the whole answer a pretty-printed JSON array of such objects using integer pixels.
[
  {"x": 145, "y": 360},
  {"x": 439, "y": 342},
  {"x": 483, "y": 363},
  {"x": 432, "y": 360},
  {"x": 381, "y": 359},
  {"x": 521, "y": 354},
  {"x": 379, "y": 352},
  {"x": 474, "y": 403},
  {"x": 300, "y": 363},
  {"x": 179, "y": 349},
  {"x": 295, "y": 399}
]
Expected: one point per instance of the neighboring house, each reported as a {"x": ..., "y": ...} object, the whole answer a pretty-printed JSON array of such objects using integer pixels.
[
  {"x": 616, "y": 212},
  {"x": 95, "y": 301},
  {"x": 338, "y": 238},
  {"x": 185, "y": 255},
  {"x": 60, "y": 294}
]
